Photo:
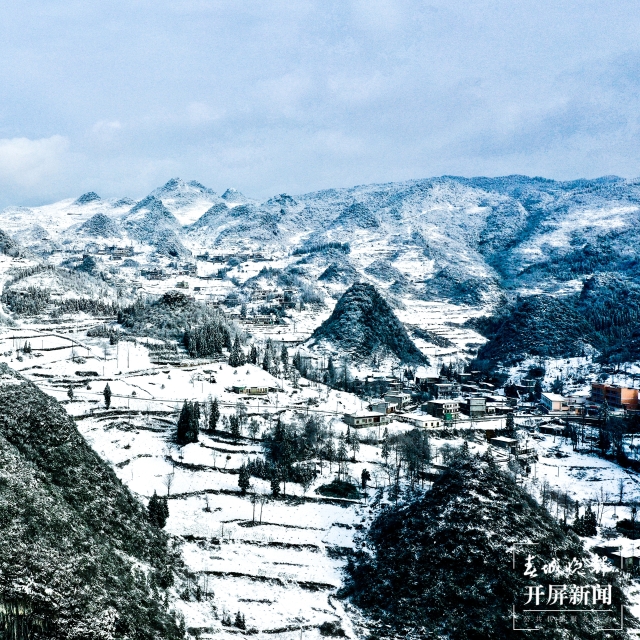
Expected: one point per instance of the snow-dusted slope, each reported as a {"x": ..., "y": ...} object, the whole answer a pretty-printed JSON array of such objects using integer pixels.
[{"x": 441, "y": 238}]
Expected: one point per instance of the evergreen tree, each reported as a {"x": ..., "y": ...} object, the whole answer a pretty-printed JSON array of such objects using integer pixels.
[
  {"x": 267, "y": 361},
  {"x": 107, "y": 396},
  {"x": 236, "y": 357},
  {"x": 188, "y": 423},
  {"x": 586, "y": 525},
  {"x": 354, "y": 444},
  {"x": 253, "y": 355},
  {"x": 153, "y": 509},
  {"x": 590, "y": 522},
  {"x": 284, "y": 358},
  {"x": 244, "y": 480},
  {"x": 386, "y": 447},
  {"x": 275, "y": 484},
  {"x": 214, "y": 415},
  {"x": 510, "y": 429},
  {"x": 240, "y": 622},
  {"x": 70, "y": 393},
  {"x": 158, "y": 511},
  {"x": 297, "y": 361},
  {"x": 330, "y": 451},
  {"x": 365, "y": 477},
  {"x": 234, "y": 422},
  {"x": 537, "y": 390},
  {"x": 165, "y": 511}
]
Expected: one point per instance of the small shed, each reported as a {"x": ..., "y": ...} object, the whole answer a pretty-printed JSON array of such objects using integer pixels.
[{"x": 510, "y": 444}]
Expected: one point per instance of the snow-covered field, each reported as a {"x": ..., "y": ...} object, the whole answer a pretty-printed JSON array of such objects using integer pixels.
[{"x": 279, "y": 561}]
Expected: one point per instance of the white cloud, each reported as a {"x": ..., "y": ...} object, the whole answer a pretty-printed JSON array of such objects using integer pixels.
[
  {"x": 201, "y": 113},
  {"x": 29, "y": 163},
  {"x": 103, "y": 126}
]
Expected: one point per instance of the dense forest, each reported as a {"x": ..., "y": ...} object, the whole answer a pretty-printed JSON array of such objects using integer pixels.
[{"x": 436, "y": 566}]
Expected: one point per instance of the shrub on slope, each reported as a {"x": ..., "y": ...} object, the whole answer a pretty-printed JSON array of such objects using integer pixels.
[
  {"x": 76, "y": 548},
  {"x": 362, "y": 323},
  {"x": 170, "y": 316},
  {"x": 441, "y": 566}
]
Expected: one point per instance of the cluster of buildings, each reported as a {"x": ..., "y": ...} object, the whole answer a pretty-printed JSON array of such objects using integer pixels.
[
  {"x": 114, "y": 252},
  {"x": 466, "y": 399},
  {"x": 154, "y": 272},
  {"x": 245, "y": 256},
  {"x": 617, "y": 397},
  {"x": 451, "y": 400}
]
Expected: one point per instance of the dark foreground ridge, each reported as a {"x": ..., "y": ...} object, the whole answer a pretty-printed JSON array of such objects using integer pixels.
[
  {"x": 441, "y": 565},
  {"x": 72, "y": 538}
]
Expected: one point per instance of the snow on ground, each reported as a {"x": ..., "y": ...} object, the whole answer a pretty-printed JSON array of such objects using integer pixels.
[{"x": 278, "y": 562}]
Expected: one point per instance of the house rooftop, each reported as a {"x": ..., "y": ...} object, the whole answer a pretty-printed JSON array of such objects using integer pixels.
[
  {"x": 364, "y": 414},
  {"x": 555, "y": 397}
]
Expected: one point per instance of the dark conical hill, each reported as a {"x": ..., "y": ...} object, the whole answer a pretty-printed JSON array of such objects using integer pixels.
[
  {"x": 87, "y": 198},
  {"x": 362, "y": 323},
  {"x": 100, "y": 226}
]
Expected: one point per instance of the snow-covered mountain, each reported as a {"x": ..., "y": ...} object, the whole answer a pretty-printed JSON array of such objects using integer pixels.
[{"x": 451, "y": 238}]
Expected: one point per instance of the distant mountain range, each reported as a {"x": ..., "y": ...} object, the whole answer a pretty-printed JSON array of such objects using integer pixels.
[
  {"x": 473, "y": 241},
  {"x": 451, "y": 237}
]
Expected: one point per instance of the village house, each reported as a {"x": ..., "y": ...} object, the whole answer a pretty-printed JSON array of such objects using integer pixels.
[
  {"x": 445, "y": 409},
  {"x": 365, "y": 419},
  {"x": 509, "y": 444},
  {"x": 445, "y": 390},
  {"x": 398, "y": 398},
  {"x": 617, "y": 397},
  {"x": 153, "y": 274},
  {"x": 251, "y": 391},
  {"x": 422, "y": 421},
  {"x": 474, "y": 407},
  {"x": 121, "y": 252},
  {"x": 382, "y": 406},
  {"x": 553, "y": 402}
]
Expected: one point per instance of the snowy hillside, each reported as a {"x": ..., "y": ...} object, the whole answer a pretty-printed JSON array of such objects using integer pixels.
[{"x": 269, "y": 368}]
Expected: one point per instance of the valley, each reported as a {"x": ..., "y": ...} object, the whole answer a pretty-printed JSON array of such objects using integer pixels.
[{"x": 301, "y": 316}]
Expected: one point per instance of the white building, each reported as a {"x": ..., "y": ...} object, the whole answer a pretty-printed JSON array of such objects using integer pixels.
[
  {"x": 398, "y": 398},
  {"x": 426, "y": 422},
  {"x": 553, "y": 402},
  {"x": 365, "y": 419}
]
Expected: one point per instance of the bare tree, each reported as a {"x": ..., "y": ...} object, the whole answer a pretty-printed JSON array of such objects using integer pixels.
[
  {"x": 167, "y": 481},
  {"x": 263, "y": 499},
  {"x": 620, "y": 490},
  {"x": 254, "y": 500}
]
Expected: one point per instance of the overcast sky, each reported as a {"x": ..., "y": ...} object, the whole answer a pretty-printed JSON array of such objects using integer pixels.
[{"x": 274, "y": 96}]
